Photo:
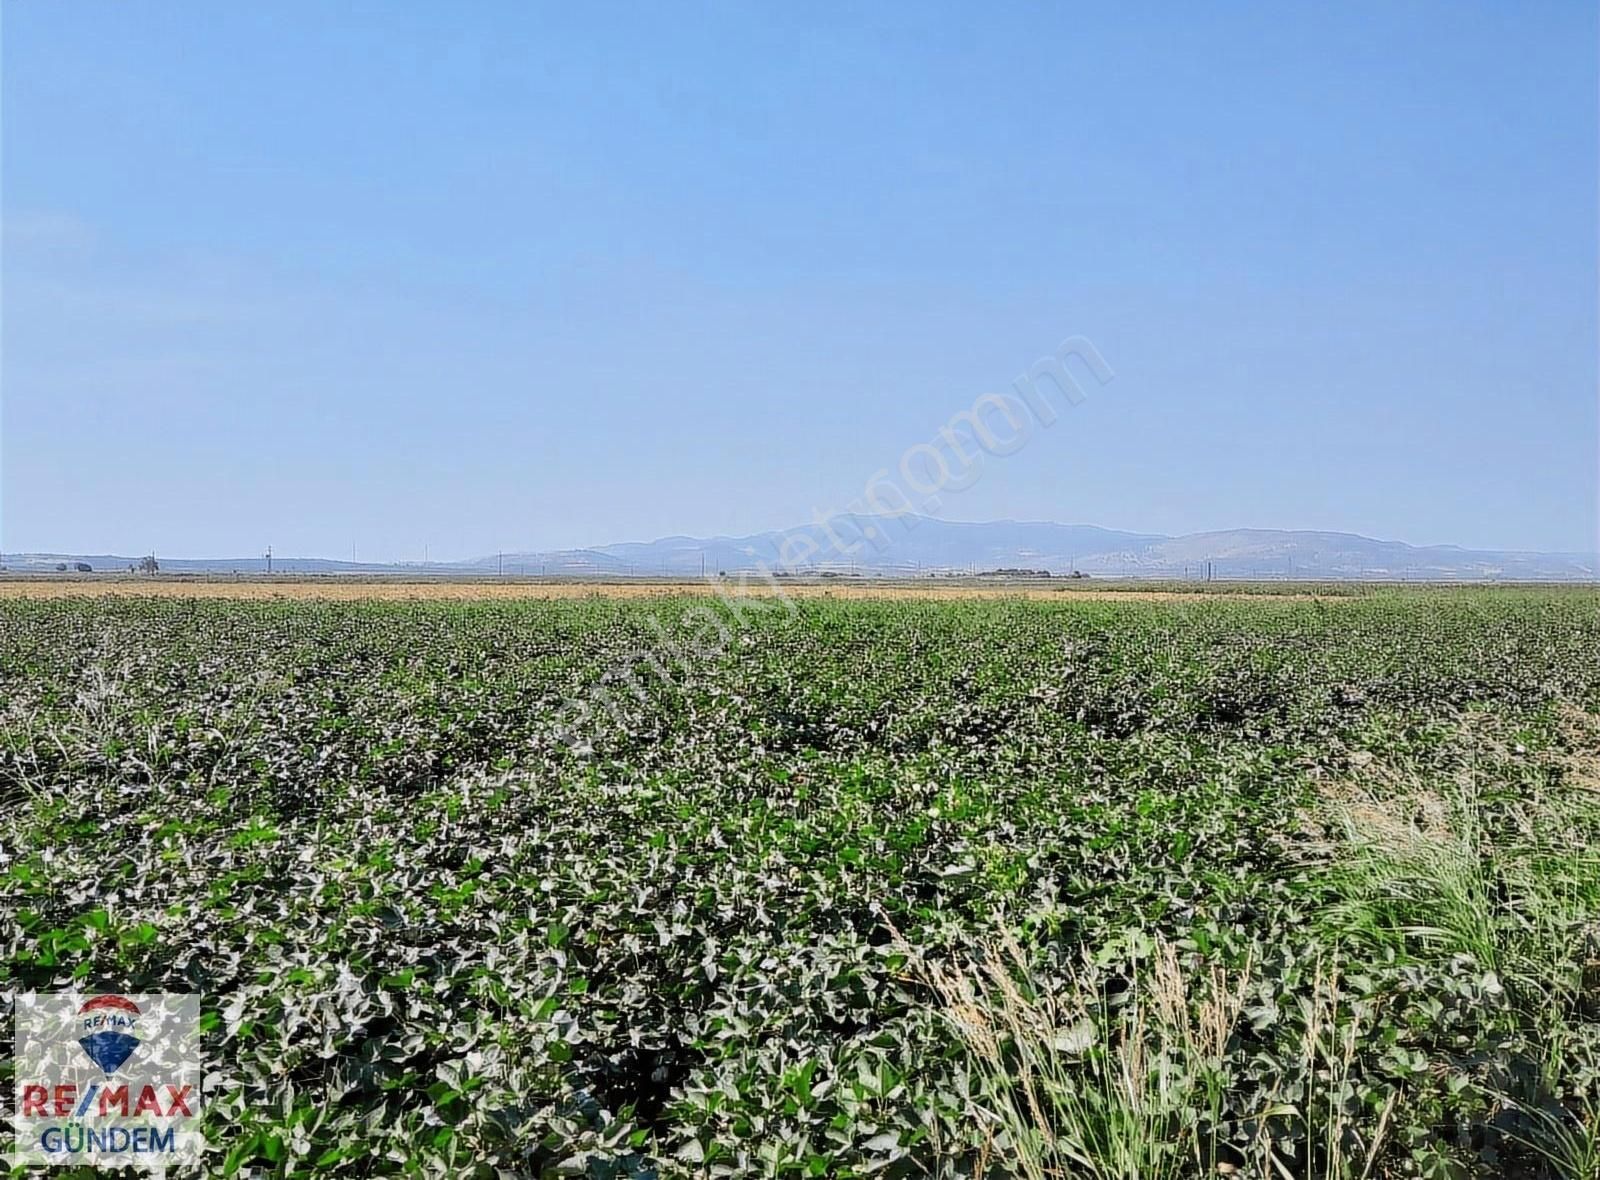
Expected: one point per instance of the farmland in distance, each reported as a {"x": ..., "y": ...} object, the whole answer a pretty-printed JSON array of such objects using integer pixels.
[{"x": 682, "y": 887}]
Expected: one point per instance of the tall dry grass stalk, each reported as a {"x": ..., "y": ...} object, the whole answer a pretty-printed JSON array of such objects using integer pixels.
[
  {"x": 1072, "y": 1081},
  {"x": 1127, "y": 1078},
  {"x": 1334, "y": 1144},
  {"x": 1083, "y": 1080},
  {"x": 1440, "y": 870},
  {"x": 1509, "y": 878}
]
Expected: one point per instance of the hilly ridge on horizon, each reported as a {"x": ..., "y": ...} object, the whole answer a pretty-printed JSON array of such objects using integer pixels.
[{"x": 913, "y": 545}]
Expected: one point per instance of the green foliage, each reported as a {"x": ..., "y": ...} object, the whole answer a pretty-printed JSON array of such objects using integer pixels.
[{"x": 434, "y": 936}]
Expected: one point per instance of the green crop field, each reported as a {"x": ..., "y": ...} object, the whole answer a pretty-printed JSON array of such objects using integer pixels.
[{"x": 1102, "y": 889}]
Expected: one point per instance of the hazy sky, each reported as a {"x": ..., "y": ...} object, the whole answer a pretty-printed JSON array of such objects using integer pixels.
[{"x": 509, "y": 275}]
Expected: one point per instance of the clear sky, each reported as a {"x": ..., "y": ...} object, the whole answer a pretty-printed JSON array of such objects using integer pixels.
[{"x": 483, "y": 276}]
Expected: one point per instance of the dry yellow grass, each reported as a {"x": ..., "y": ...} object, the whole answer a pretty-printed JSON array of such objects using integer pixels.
[{"x": 369, "y": 589}]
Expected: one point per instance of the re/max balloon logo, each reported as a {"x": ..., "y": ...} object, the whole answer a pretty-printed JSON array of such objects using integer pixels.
[{"x": 108, "y": 1080}]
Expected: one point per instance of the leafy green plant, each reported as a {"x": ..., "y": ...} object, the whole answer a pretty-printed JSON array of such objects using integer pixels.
[
  {"x": 1073, "y": 1082},
  {"x": 434, "y": 936}
]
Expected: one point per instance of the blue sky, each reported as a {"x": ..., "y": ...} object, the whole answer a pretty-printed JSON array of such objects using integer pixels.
[{"x": 393, "y": 276}]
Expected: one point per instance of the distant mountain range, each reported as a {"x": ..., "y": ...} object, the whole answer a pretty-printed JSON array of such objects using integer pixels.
[{"x": 912, "y": 545}]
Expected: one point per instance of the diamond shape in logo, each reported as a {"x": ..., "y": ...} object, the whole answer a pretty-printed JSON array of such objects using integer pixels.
[{"x": 108, "y": 1023}]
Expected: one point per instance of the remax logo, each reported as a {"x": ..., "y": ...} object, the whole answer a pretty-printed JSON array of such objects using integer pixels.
[
  {"x": 108, "y": 1024},
  {"x": 110, "y": 1080}
]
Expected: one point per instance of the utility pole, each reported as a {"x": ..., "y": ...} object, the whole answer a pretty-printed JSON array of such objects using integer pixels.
[
  {"x": 502, "y": 563},
  {"x": 269, "y": 559}
]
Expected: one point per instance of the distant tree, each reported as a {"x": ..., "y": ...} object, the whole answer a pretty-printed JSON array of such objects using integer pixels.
[
  {"x": 61, "y": 567},
  {"x": 149, "y": 565},
  {"x": 83, "y": 567}
]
